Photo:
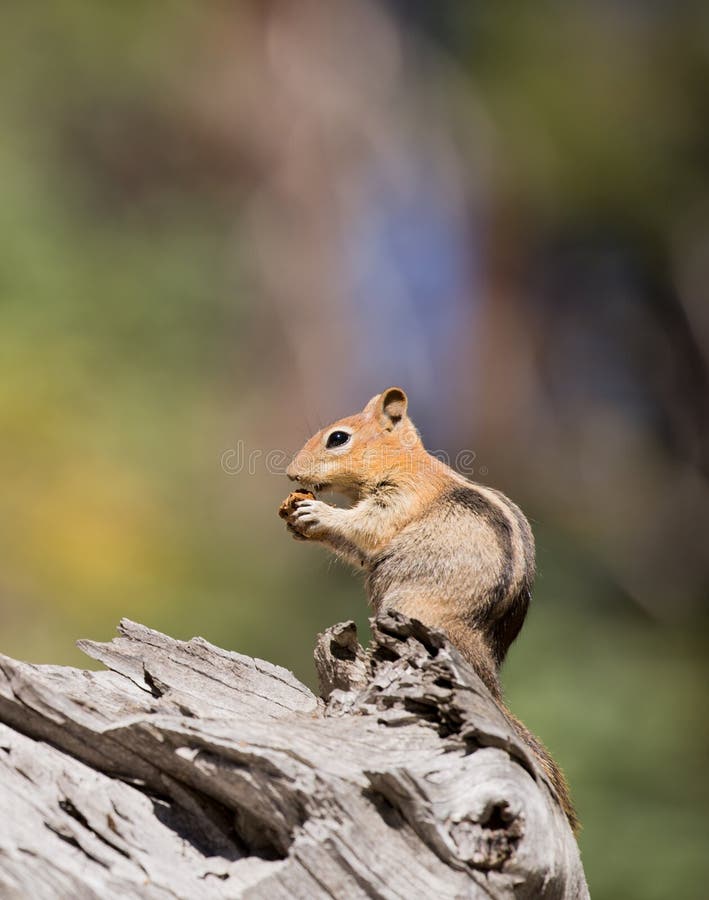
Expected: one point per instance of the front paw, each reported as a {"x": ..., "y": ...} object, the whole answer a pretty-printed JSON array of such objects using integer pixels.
[
  {"x": 310, "y": 519},
  {"x": 287, "y": 508}
]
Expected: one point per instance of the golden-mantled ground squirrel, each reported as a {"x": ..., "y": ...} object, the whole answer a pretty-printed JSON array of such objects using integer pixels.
[{"x": 433, "y": 545}]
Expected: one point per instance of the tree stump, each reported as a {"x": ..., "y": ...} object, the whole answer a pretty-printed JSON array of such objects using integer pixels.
[{"x": 193, "y": 772}]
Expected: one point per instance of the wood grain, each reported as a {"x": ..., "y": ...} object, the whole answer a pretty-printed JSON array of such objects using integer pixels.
[{"x": 188, "y": 771}]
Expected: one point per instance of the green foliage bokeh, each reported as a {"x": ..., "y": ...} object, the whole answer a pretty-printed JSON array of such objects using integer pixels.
[{"x": 127, "y": 367}]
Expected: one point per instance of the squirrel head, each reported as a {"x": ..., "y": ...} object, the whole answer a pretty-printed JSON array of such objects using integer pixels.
[{"x": 355, "y": 454}]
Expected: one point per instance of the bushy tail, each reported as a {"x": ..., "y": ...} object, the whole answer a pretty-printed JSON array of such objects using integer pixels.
[{"x": 550, "y": 768}]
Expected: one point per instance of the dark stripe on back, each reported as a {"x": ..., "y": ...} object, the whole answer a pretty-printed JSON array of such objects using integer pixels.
[
  {"x": 476, "y": 503},
  {"x": 525, "y": 534},
  {"x": 506, "y": 629}
]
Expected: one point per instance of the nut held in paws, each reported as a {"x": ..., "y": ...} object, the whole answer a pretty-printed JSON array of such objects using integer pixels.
[{"x": 287, "y": 508}]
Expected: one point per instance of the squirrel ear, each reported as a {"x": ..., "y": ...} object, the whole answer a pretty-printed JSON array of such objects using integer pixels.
[{"x": 393, "y": 407}]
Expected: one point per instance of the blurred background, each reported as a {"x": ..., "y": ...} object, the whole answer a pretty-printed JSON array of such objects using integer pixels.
[{"x": 225, "y": 224}]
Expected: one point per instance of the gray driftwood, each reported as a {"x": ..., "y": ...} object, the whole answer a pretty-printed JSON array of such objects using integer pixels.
[{"x": 193, "y": 772}]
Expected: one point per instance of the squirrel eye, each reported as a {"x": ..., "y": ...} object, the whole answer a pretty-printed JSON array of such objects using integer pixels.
[{"x": 337, "y": 439}]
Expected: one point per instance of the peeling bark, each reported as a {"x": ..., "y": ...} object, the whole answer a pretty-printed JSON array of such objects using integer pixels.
[{"x": 189, "y": 771}]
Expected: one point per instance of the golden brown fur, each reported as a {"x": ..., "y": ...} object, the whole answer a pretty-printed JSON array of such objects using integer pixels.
[{"x": 435, "y": 546}]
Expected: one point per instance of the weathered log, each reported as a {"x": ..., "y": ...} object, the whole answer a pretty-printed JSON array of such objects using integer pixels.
[{"x": 193, "y": 772}]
